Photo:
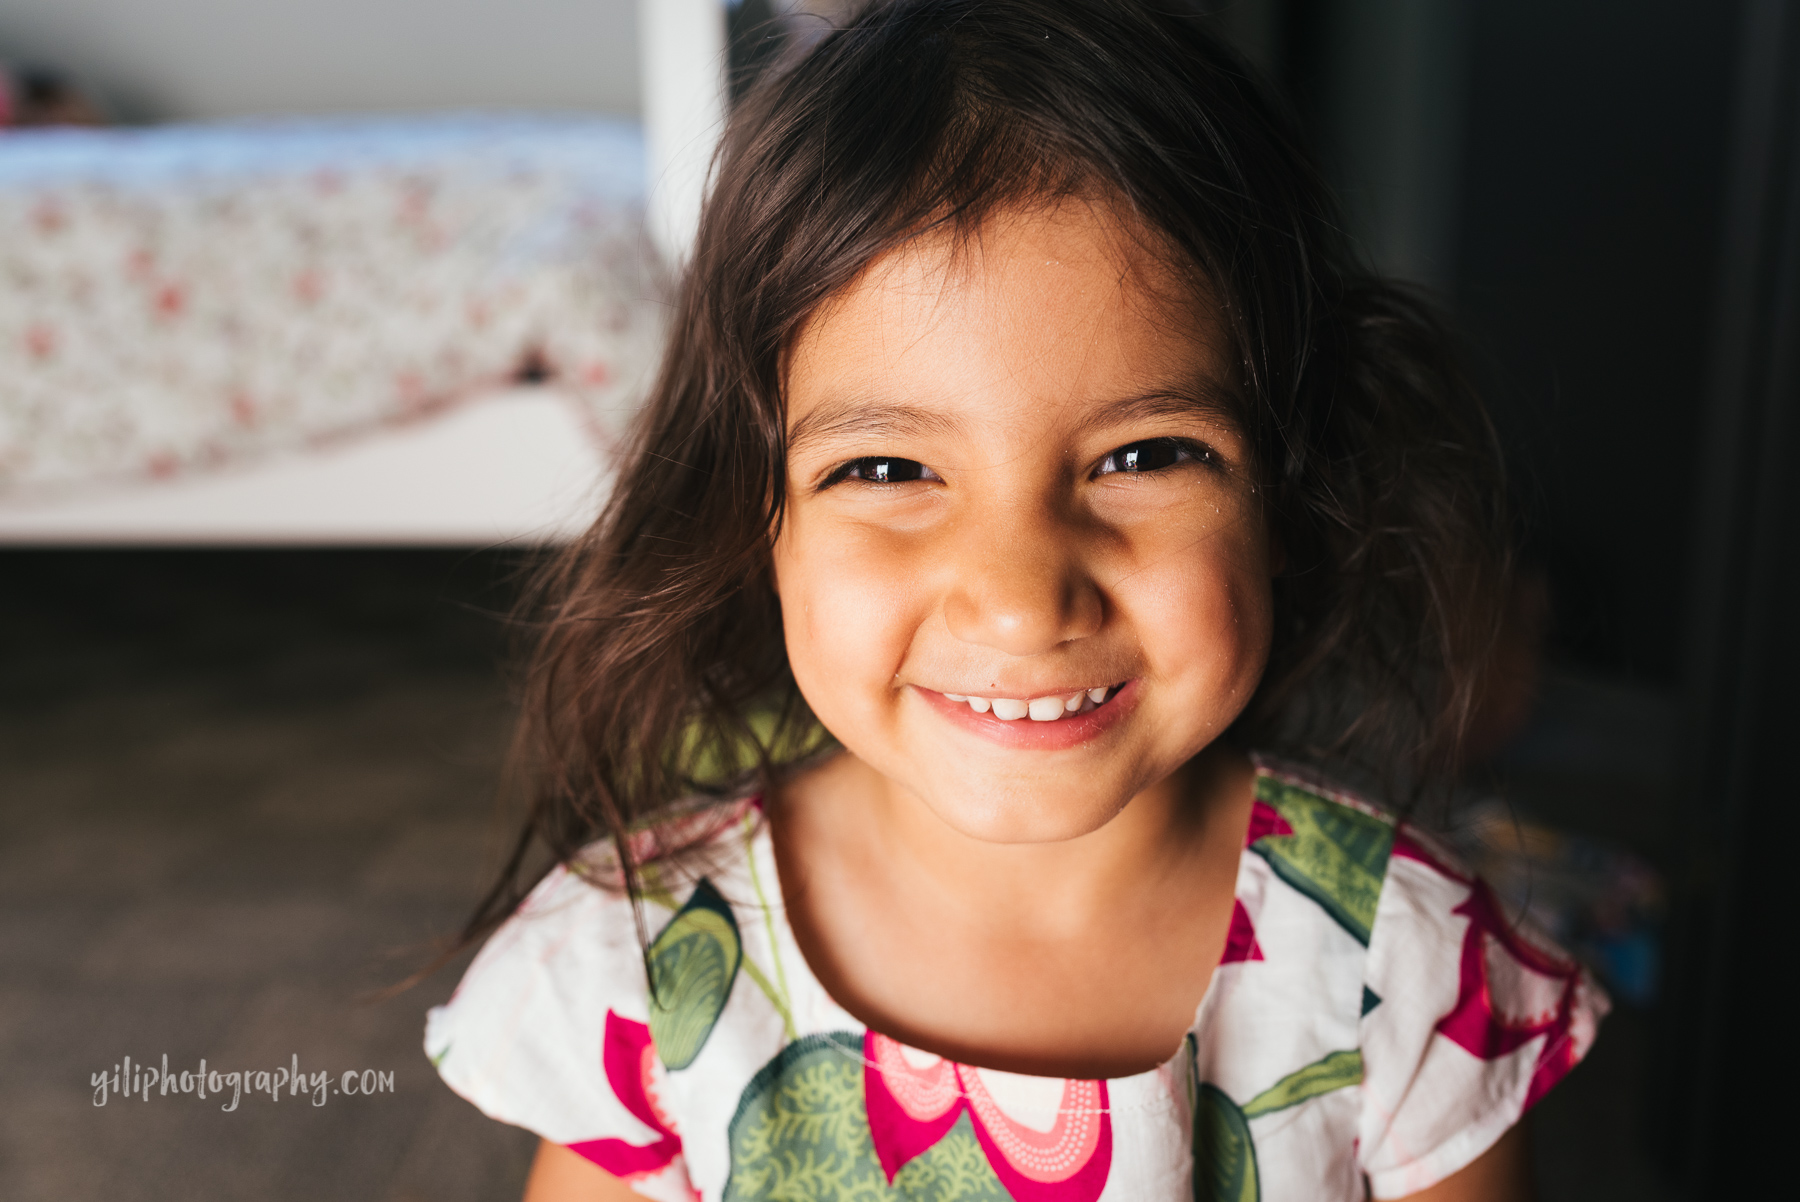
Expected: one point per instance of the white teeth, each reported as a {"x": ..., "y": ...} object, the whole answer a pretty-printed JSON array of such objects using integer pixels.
[{"x": 1039, "y": 709}]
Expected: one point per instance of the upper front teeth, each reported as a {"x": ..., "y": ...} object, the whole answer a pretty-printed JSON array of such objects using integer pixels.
[{"x": 1041, "y": 709}]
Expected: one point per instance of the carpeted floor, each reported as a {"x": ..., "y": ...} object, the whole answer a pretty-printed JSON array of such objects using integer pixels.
[
  {"x": 239, "y": 791},
  {"x": 237, "y": 794}
]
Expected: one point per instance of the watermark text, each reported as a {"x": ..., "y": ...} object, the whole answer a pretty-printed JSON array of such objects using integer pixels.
[{"x": 130, "y": 1079}]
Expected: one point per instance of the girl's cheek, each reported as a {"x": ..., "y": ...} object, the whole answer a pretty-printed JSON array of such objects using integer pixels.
[
  {"x": 847, "y": 600},
  {"x": 1201, "y": 599}
]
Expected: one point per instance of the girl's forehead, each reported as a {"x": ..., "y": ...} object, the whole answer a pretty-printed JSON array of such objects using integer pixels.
[
  {"x": 1059, "y": 301},
  {"x": 1077, "y": 241}
]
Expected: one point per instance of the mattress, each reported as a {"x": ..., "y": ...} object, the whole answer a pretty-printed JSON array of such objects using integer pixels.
[{"x": 188, "y": 299}]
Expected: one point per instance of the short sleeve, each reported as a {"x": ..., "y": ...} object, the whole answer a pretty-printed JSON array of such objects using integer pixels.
[
  {"x": 1468, "y": 1019},
  {"x": 549, "y": 1031}
]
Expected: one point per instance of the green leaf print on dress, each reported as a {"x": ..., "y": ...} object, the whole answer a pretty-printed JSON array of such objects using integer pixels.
[
  {"x": 693, "y": 963},
  {"x": 1334, "y": 1072},
  {"x": 1225, "y": 1168},
  {"x": 801, "y": 1134},
  {"x": 1332, "y": 853},
  {"x": 1224, "y": 1153}
]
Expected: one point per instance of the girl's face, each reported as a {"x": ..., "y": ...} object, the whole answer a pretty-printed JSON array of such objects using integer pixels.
[{"x": 1024, "y": 572}]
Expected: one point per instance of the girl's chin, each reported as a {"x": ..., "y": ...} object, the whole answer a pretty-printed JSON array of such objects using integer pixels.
[{"x": 1021, "y": 816}]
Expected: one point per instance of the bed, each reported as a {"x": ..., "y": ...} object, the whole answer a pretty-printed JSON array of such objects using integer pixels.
[{"x": 427, "y": 329}]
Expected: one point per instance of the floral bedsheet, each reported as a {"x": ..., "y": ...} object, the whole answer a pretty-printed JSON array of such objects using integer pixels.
[{"x": 183, "y": 297}]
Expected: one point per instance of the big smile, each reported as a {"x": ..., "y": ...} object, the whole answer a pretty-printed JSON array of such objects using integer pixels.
[{"x": 1049, "y": 708}]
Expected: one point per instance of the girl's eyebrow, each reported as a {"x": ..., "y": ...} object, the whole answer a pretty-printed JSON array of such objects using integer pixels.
[
  {"x": 1208, "y": 402},
  {"x": 850, "y": 419}
]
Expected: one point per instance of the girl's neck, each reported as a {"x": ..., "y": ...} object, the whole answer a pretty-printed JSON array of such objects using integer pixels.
[{"x": 1081, "y": 958}]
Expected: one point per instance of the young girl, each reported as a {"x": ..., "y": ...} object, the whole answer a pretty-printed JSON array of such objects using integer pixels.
[{"x": 1028, "y": 460}]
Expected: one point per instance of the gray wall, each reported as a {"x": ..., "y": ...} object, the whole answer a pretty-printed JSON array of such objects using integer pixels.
[
  {"x": 154, "y": 60},
  {"x": 1389, "y": 93}
]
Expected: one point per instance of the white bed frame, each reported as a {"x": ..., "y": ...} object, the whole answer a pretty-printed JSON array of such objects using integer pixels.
[{"x": 516, "y": 466}]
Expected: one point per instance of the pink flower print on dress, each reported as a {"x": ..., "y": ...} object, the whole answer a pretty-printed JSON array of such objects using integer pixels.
[
  {"x": 915, "y": 1098},
  {"x": 1264, "y": 820},
  {"x": 634, "y": 1071},
  {"x": 1240, "y": 941},
  {"x": 1068, "y": 1161}
]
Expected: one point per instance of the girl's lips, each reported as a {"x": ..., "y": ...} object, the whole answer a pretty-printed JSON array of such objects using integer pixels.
[{"x": 1071, "y": 730}]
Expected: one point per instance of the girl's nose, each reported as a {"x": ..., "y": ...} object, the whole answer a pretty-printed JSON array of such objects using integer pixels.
[{"x": 1022, "y": 589}]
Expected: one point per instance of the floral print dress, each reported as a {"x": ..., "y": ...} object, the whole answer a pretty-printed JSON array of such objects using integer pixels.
[{"x": 1375, "y": 1025}]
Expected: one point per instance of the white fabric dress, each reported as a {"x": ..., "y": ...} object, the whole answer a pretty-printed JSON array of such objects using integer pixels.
[{"x": 1375, "y": 1025}]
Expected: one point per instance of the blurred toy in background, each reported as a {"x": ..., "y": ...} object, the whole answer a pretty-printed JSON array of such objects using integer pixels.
[
  {"x": 34, "y": 97},
  {"x": 1596, "y": 898}
]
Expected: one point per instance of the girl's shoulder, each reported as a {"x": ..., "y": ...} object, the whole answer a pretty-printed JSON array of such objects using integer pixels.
[
  {"x": 1329, "y": 844},
  {"x": 1389, "y": 884},
  {"x": 566, "y": 979},
  {"x": 1423, "y": 925},
  {"x": 1452, "y": 1015}
]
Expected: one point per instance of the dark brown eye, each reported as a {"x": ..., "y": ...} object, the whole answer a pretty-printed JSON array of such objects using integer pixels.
[
  {"x": 1153, "y": 455},
  {"x": 884, "y": 469}
]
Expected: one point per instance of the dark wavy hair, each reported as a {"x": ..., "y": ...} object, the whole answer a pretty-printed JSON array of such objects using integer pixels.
[{"x": 660, "y": 673}]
